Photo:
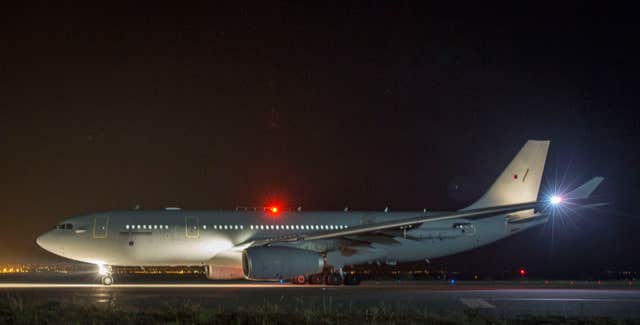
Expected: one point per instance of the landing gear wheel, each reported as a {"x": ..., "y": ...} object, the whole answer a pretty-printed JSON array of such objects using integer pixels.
[
  {"x": 333, "y": 279},
  {"x": 352, "y": 280},
  {"x": 107, "y": 280},
  {"x": 300, "y": 279},
  {"x": 316, "y": 279}
]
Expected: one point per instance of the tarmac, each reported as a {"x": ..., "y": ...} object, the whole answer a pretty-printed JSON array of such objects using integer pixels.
[{"x": 504, "y": 298}]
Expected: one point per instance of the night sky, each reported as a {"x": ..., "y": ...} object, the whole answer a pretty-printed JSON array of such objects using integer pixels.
[{"x": 370, "y": 104}]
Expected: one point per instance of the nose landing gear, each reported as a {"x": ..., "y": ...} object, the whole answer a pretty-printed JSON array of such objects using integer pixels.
[
  {"x": 107, "y": 280},
  {"x": 105, "y": 275}
]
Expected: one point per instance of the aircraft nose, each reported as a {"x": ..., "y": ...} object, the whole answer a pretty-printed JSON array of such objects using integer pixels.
[
  {"x": 53, "y": 242},
  {"x": 42, "y": 240}
]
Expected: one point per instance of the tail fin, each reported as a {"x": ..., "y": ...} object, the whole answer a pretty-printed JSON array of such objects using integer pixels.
[{"x": 520, "y": 181}]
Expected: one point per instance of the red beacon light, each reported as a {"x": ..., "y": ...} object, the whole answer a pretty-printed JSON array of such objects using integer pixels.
[
  {"x": 274, "y": 209},
  {"x": 523, "y": 272}
]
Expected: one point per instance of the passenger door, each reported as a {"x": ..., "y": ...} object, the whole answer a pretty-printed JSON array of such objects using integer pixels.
[
  {"x": 191, "y": 227},
  {"x": 100, "y": 227}
]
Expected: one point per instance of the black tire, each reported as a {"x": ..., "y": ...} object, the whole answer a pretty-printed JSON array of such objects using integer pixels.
[
  {"x": 316, "y": 279},
  {"x": 333, "y": 279},
  {"x": 300, "y": 279},
  {"x": 106, "y": 280},
  {"x": 352, "y": 280}
]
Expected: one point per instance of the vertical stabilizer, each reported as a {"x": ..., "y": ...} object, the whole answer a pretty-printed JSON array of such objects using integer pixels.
[{"x": 520, "y": 181}]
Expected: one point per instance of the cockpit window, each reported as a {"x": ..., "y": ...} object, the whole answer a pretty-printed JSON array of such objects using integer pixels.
[{"x": 65, "y": 226}]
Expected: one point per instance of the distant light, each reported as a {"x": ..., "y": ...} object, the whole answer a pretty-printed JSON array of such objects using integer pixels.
[
  {"x": 555, "y": 199},
  {"x": 102, "y": 270},
  {"x": 452, "y": 281},
  {"x": 273, "y": 209},
  {"x": 522, "y": 272}
]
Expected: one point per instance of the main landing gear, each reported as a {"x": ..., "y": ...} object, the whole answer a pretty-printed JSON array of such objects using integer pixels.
[{"x": 106, "y": 277}]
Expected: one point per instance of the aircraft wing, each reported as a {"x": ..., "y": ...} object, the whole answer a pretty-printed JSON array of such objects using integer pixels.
[
  {"x": 380, "y": 232},
  {"x": 401, "y": 223}
]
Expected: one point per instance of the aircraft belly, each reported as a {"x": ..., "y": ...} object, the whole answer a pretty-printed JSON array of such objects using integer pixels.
[{"x": 363, "y": 255}]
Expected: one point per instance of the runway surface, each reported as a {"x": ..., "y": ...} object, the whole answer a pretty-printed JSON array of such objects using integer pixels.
[{"x": 428, "y": 296}]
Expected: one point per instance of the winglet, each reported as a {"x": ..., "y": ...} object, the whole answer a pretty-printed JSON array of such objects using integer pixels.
[{"x": 584, "y": 191}]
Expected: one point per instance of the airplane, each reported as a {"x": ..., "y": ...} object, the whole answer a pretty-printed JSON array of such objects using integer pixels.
[{"x": 270, "y": 243}]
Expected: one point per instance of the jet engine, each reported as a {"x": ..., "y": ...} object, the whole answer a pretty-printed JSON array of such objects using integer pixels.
[{"x": 279, "y": 262}]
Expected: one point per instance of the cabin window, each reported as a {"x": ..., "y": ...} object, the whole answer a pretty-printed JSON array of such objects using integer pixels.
[{"x": 65, "y": 226}]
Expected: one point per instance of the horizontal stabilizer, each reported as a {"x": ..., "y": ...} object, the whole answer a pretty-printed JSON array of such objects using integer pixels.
[{"x": 584, "y": 191}]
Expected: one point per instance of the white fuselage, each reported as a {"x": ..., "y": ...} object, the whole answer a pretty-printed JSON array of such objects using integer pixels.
[{"x": 183, "y": 237}]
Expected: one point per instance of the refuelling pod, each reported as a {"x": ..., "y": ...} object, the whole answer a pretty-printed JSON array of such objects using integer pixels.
[{"x": 278, "y": 262}]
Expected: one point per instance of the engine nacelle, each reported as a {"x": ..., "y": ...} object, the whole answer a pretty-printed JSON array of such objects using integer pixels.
[{"x": 278, "y": 262}]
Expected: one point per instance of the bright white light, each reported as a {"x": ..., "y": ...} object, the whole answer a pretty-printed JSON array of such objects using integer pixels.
[
  {"x": 102, "y": 270},
  {"x": 555, "y": 199}
]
